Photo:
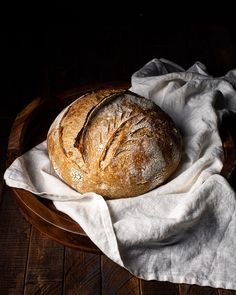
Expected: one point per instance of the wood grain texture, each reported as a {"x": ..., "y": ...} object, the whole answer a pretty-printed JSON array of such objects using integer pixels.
[
  {"x": 160, "y": 288},
  {"x": 185, "y": 289},
  {"x": 117, "y": 280},
  {"x": 81, "y": 273},
  {"x": 1, "y": 188},
  {"x": 225, "y": 292},
  {"x": 43, "y": 288},
  {"x": 14, "y": 241},
  {"x": 44, "y": 271},
  {"x": 55, "y": 225}
]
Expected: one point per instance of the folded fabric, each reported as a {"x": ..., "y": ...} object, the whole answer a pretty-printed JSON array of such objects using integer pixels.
[{"x": 183, "y": 231}]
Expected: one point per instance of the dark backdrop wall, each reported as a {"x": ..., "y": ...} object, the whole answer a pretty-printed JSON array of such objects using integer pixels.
[{"x": 45, "y": 59}]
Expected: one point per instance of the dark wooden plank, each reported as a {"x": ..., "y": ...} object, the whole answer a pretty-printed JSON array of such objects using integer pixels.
[
  {"x": 81, "y": 273},
  {"x": 225, "y": 292},
  {"x": 43, "y": 288},
  {"x": 1, "y": 188},
  {"x": 160, "y": 288},
  {"x": 14, "y": 238},
  {"x": 44, "y": 272},
  {"x": 185, "y": 289},
  {"x": 3, "y": 144},
  {"x": 117, "y": 280}
]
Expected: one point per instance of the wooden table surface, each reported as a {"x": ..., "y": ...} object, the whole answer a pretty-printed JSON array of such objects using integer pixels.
[{"x": 31, "y": 263}]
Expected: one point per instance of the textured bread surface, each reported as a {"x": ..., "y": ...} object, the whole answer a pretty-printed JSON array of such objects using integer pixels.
[{"x": 115, "y": 143}]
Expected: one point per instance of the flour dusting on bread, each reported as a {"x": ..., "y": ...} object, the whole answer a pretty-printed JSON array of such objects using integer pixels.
[{"x": 115, "y": 143}]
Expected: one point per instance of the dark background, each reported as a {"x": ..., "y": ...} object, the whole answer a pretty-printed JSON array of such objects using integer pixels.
[
  {"x": 41, "y": 58},
  {"x": 46, "y": 58}
]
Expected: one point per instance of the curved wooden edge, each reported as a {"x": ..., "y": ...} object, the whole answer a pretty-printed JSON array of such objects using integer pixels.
[
  {"x": 45, "y": 213},
  {"x": 55, "y": 229},
  {"x": 15, "y": 141}
]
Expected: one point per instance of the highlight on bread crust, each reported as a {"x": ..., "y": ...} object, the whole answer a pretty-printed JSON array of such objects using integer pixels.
[{"x": 115, "y": 143}]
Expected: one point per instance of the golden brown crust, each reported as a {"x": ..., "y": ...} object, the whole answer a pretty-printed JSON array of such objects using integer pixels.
[{"x": 114, "y": 143}]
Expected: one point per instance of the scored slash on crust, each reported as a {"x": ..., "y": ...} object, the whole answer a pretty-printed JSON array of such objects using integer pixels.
[{"x": 79, "y": 141}]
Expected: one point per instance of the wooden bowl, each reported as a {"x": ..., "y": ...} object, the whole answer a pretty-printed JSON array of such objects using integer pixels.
[{"x": 30, "y": 128}]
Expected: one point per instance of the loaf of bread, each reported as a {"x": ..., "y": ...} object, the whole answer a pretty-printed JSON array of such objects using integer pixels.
[{"x": 115, "y": 143}]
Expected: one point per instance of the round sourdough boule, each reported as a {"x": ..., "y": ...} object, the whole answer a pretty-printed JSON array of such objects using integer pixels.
[{"x": 114, "y": 143}]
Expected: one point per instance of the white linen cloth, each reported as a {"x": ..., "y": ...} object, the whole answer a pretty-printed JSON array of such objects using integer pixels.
[{"x": 183, "y": 231}]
